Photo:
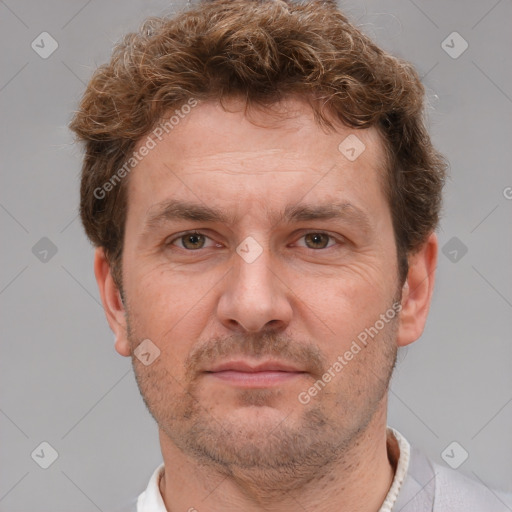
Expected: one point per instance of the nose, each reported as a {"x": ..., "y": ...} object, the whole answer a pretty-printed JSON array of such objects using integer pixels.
[{"x": 255, "y": 297}]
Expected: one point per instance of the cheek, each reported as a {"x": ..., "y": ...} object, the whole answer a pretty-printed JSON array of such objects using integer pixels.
[
  {"x": 351, "y": 299},
  {"x": 169, "y": 308}
]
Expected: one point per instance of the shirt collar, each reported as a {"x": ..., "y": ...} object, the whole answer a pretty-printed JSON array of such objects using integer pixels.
[
  {"x": 404, "y": 452},
  {"x": 151, "y": 499}
]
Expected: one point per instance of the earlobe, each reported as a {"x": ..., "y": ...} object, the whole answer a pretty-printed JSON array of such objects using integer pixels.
[
  {"x": 112, "y": 302},
  {"x": 417, "y": 292}
]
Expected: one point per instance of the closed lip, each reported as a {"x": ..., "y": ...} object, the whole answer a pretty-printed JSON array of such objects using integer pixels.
[{"x": 247, "y": 367}]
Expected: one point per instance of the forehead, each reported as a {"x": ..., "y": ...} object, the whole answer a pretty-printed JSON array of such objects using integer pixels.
[{"x": 217, "y": 156}]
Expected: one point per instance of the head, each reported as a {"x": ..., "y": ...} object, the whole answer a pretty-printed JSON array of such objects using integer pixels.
[{"x": 297, "y": 151}]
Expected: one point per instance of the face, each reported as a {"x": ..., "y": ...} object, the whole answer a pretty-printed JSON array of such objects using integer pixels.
[{"x": 261, "y": 246}]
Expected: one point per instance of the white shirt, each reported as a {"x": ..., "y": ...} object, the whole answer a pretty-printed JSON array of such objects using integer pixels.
[{"x": 419, "y": 485}]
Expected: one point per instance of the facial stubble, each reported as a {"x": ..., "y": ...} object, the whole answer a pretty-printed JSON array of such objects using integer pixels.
[{"x": 280, "y": 452}]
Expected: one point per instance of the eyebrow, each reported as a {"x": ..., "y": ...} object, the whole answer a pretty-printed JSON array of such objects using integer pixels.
[{"x": 174, "y": 209}]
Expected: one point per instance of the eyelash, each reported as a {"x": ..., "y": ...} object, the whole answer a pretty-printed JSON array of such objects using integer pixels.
[{"x": 180, "y": 236}]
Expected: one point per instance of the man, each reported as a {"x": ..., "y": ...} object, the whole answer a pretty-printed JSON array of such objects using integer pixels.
[{"x": 263, "y": 195}]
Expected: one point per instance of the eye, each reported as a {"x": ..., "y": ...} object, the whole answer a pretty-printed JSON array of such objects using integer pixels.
[
  {"x": 317, "y": 240},
  {"x": 190, "y": 241},
  {"x": 194, "y": 240}
]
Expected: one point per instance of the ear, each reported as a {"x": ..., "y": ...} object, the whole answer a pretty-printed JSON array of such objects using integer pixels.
[
  {"x": 112, "y": 303},
  {"x": 417, "y": 292}
]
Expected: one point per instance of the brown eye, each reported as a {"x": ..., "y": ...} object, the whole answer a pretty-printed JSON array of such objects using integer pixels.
[
  {"x": 316, "y": 240},
  {"x": 193, "y": 241}
]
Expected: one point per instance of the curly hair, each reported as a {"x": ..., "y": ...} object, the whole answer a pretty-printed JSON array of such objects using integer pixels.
[{"x": 262, "y": 51}]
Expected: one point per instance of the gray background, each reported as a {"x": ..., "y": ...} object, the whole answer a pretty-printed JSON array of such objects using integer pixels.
[{"x": 61, "y": 380}]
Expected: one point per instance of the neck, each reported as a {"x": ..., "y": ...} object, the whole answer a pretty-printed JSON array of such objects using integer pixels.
[{"x": 357, "y": 482}]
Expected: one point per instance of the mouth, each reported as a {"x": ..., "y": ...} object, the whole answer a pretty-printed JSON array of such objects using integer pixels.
[{"x": 247, "y": 375}]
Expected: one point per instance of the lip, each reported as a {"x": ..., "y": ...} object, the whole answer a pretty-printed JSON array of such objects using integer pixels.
[
  {"x": 246, "y": 367},
  {"x": 262, "y": 375}
]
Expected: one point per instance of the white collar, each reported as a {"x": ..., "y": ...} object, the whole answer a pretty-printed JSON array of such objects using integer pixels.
[
  {"x": 401, "y": 471},
  {"x": 151, "y": 499}
]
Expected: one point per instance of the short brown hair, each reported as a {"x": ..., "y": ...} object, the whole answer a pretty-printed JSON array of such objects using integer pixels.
[{"x": 262, "y": 51}]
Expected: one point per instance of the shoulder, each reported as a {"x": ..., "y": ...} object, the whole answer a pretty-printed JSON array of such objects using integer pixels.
[
  {"x": 431, "y": 487},
  {"x": 455, "y": 491},
  {"x": 438, "y": 488}
]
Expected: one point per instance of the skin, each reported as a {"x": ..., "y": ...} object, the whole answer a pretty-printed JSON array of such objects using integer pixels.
[{"x": 302, "y": 301}]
